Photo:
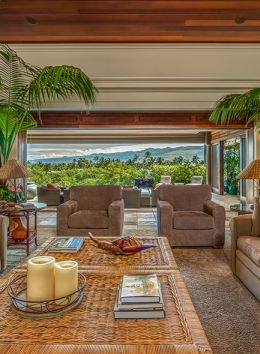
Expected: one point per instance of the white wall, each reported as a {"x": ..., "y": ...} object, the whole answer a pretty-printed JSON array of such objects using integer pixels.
[{"x": 155, "y": 76}]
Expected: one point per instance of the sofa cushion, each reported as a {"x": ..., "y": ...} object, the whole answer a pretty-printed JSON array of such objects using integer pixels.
[
  {"x": 89, "y": 219},
  {"x": 248, "y": 263},
  {"x": 250, "y": 246},
  {"x": 192, "y": 220},
  {"x": 51, "y": 186}
]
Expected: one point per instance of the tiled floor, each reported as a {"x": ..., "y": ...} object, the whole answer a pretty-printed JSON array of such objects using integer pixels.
[{"x": 137, "y": 222}]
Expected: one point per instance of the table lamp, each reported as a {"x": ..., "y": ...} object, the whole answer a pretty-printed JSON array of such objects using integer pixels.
[
  {"x": 252, "y": 171},
  {"x": 14, "y": 169}
]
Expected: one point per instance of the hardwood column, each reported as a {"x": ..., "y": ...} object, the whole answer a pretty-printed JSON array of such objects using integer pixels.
[
  {"x": 221, "y": 167},
  {"x": 208, "y": 158}
]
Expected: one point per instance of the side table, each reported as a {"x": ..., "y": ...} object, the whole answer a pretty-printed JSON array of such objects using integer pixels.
[
  {"x": 245, "y": 209},
  {"x": 30, "y": 234}
]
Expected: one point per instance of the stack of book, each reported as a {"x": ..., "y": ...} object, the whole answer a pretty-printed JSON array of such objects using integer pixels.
[{"x": 139, "y": 296}]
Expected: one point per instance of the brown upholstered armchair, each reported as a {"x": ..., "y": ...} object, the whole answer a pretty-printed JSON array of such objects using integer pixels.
[
  {"x": 188, "y": 217},
  {"x": 98, "y": 209},
  {"x": 4, "y": 223}
]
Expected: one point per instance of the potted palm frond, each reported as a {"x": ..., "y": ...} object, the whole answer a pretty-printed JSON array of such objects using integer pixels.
[
  {"x": 243, "y": 107},
  {"x": 24, "y": 87}
]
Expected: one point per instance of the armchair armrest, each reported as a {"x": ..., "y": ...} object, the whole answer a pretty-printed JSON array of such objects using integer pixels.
[
  {"x": 213, "y": 208},
  {"x": 63, "y": 212},
  {"x": 218, "y": 213},
  {"x": 116, "y": 217},
  {"x": 240, "y": 226},
  {"x": 165, "y": 218}
]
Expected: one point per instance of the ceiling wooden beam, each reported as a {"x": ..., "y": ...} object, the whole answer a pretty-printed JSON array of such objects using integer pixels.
[{"x": 130, "y": 119}]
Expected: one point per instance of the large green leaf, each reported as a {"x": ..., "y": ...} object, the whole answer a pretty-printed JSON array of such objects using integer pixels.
[
  {"x": 53, "y": 83},
  {"x": 237, "y": 107},
  {"x": 15, "y": 74},
  {"x": 12, "y": 122}
]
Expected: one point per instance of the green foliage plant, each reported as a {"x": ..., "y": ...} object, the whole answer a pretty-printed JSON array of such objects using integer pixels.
[
  {"x": 232, "y": 162},
  {"x": 24, "y": 87},
  {"x": 243, "y": 107}
]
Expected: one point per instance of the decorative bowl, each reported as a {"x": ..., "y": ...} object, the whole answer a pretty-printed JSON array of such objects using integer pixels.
[{"x": 42, "y": 309}]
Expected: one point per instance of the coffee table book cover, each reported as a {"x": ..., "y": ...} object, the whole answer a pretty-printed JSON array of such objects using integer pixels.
[
  {"x": 140, "y": 288},
  {"x": 66, "y": 244}
]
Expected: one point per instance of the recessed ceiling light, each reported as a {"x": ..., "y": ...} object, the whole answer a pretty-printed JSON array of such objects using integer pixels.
[
  {"x": 239, "y": 20},
  {"x": 31, "y": 20}
]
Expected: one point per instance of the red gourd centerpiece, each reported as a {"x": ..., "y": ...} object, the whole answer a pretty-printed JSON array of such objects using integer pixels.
[{"x": 124, "y": 245}]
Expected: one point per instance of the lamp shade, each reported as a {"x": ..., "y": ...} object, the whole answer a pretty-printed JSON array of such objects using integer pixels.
[
  {"x": 252, "y": 171},
  {"x": 13, "y": 169}
]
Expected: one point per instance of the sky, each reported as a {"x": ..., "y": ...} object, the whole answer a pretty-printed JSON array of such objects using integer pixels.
[{"x": 43, "y": 151}]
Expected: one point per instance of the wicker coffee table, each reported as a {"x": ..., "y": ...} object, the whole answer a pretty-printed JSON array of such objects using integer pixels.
[
  {"x": 91, "y": 327},
  {"x": 91, "y": 257}
]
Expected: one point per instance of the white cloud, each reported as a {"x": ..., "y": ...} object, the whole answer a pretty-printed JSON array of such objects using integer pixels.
[{"x": 44, "y": 151}]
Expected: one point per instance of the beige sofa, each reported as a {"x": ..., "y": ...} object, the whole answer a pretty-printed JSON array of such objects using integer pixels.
[
  {"x": 4, "y": 223},
  {"x": 245, "y": 249},
  {"x": 188, "y": 217},
  {"x": 98, "y": 209}
]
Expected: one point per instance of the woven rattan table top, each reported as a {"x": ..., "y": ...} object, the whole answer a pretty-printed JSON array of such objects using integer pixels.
[
  {"x": 91, "y": 327},
  {"x": 91, "y": 257}
]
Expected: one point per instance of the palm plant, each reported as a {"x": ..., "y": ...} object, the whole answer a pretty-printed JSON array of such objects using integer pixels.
[
  {"x": 243, "y": 107},
  {"x": 24, "y": 87}
]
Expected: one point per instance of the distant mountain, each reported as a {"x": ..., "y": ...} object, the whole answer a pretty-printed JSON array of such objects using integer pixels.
[{"x": 167, "y": 153}]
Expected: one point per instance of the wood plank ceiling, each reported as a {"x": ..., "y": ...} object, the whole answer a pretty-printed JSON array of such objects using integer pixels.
[{"x": 86, "y": 21}]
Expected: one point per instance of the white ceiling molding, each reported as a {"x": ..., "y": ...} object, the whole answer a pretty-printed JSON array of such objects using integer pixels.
[{"x": 154, "y": 76}]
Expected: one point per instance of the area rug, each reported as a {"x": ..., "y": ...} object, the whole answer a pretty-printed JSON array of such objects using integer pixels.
[{"x": 229, "y": 313}]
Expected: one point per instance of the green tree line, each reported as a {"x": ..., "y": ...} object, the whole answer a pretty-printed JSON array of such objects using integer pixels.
[{"x": 107, "y": 171}]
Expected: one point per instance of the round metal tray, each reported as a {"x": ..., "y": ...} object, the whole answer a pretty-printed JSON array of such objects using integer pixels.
[{"x": 42, "y": 309}]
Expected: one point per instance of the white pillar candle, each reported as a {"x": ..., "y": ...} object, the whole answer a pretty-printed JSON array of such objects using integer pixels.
[
  {"x": 40, "y": 278},
  {"x": 66, "y": 278}
]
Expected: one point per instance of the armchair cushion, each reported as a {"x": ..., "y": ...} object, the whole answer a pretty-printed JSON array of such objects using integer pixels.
[
  {"x": 89, "y": 219},
  {"x": 192, "y": 220},
  {"x": 95, "y": 197},
  {"x": 250, "y": 246}
]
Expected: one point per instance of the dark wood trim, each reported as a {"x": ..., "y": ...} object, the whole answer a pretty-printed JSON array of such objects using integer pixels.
[
  {"x": 250, "y": 188},
  {"x": 208, "y": 157},
  {"x": 130, "y": 119},
  {"x": 221, "y": 167}
]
